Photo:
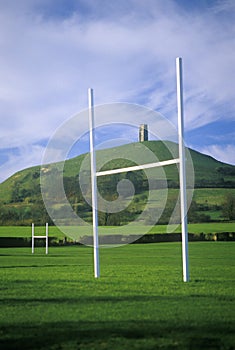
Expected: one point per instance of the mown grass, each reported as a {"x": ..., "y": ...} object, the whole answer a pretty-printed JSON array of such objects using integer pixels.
[
  {"x": 140, "y": 301},
  {"x": 206, "y": 227},
  {"x": 197, "y": 228},
  {"x": 26, "y": 231}
]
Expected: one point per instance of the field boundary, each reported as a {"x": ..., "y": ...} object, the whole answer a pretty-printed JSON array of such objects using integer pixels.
[{"x": 7, "y": 242}]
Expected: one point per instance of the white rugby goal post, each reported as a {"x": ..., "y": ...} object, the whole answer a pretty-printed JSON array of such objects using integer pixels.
[
  {"x": 39, "y": 237},
  {"x": 182, "y": 175}
]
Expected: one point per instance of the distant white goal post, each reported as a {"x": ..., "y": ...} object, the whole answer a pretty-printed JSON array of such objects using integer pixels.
[{"x": 39, "y": 237}]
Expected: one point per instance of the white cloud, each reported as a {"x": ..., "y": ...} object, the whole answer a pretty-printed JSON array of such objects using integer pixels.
[
  {"x": 225, "y": 153},
  {"x": 25, "y": 157},
  {"x": 224, "y": 6},
  {"x": 125, "y": 50}
]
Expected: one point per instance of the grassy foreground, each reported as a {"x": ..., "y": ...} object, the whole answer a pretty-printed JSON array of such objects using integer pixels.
[{"x": 140, "y": 301}]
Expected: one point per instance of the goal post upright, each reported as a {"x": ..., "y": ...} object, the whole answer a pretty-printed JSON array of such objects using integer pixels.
[
  {"x": 182, "y": 170},
  {"x": 47, "y": 238},
  {"x": 32, "y": 238},
  {"x": 93, "y": 184}
]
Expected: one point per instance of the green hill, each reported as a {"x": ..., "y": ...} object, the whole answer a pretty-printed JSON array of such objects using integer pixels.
[{"x": 20, "y": 195}]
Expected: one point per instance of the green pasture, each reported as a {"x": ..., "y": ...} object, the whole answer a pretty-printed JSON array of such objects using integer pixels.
[
  {"x": 211, "y": 196},
  {"x": 210, "y": 227},
  {"x": 53, "y": 302},
  {"x": 25, "y": 231}
]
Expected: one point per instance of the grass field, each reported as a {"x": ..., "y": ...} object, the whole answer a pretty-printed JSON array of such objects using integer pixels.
[
  {"x": 140, "y": 302},
  {"x": 25, "y": 231}
]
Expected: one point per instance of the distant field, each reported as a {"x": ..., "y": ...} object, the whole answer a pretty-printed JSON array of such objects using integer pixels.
[
  {"x": 210, "y": 227},
  {"x": 211, "y": 196},
  {"x": 25, "y": 231},
  {"x": 140, "y": 302}
]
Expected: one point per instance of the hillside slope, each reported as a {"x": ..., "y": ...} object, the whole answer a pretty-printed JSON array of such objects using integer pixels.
[{"x": 20, "y": 195}]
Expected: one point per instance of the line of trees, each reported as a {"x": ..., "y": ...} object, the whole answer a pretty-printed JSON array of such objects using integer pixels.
[
  {"x": 229, "y": 207},
  {"x": 23, "y": 215},
  {"x": 26, "y": 204}
]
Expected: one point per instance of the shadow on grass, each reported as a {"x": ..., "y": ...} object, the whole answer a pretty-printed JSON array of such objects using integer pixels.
[
  {"x": 115, "y": 335},
  {"x": 104, "y": 299},
  {"x": 43, "y": 266}
]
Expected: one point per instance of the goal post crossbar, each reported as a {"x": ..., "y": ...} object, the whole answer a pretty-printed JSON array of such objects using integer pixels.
[{"x": 138, "y": 167}]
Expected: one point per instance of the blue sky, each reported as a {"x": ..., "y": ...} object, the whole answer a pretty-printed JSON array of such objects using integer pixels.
[{"x": 52, "y": 51}]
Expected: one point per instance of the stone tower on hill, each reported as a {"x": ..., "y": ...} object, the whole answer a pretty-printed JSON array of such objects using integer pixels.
[{"x": 143, "y": 133}]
